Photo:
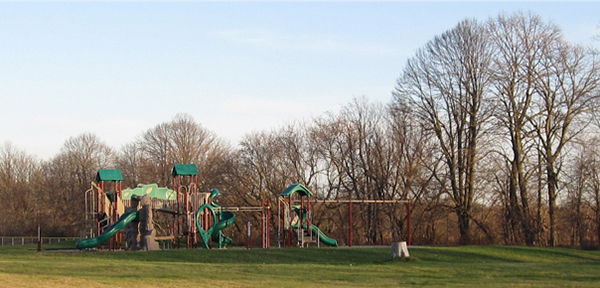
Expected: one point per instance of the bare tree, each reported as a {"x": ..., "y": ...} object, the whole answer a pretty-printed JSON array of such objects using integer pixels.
[
  {"x": 579, "y": 185},
  {"x": 192, "y": 143},
  {"x": 415, "y": 164},
  {"x": 521, "y": 42},
  {"x": 129, "y": 161},
  {"x": 363, "y": 158},
  {"x": 181, "y": 140},
  {"x": 268, "y": 162},
  {"x": 566, "y": 85},
  {"x": 19, "y": 190},
  {"x": 593, "y": 187},
  {"x": 69, "y": 174},
  {"x": 363, "y": 171},
  {"x": 446, "y": 83},
  {"x": 261, "y": 157},
  {"x": 156, "y": 148}
]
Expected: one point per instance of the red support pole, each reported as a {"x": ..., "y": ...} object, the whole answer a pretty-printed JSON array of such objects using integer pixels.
[
  {"x": 301, "y": 222},
  {"x": 116, "y": 203},
  {"x": 262, "y": 223},
  {"x": 308, "y": 216},
  {"x": 350, "y": 222},
  {"x": 177, "y": 218},
  {"x": 301, "y": 216},
  {"x": 196, "y": 209},
  {"x": 98, "y": 211},
  {"x": 290, "y": 214},
  {"x": 194, "y": 187},
  {"x": 119, "y": 235},
  {"x": 187, "y": 220}
]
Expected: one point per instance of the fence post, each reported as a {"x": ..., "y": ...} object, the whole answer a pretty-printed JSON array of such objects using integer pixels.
[{"x": 39, "y": 244}]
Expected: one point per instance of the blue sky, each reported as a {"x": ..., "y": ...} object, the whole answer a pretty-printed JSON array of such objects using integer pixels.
[{"x": 116, "y": 69}]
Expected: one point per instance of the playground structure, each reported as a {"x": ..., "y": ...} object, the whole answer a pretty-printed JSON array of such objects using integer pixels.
[
  {"x": 102, "y": 207},
  {"x": 192, "y": 218},
  {"x": 297, "y": 221},
  {"x": 140, "y": 233},
  {"x": 195, "y": 216}
]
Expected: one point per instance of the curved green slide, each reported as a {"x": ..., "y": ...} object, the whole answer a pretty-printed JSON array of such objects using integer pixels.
[
  {"x": 109, "y": 232},
  {"x": 225, "y": 219},
  {"x": 324, "y": 239}
]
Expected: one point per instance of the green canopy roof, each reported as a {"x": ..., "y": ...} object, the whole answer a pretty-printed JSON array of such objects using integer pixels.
[
  {"x": 185, "y": 170},
  {"x": 109, "y": 175},
  {"x": 151, "y": 190},
  {"x": 296, "y": 188}
]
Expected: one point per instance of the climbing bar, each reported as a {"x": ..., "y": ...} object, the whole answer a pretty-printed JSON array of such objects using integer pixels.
[{"x": 242, "y": 209}]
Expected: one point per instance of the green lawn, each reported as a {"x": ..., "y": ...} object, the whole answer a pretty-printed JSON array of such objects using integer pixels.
[{"x": 470, "y": 266}]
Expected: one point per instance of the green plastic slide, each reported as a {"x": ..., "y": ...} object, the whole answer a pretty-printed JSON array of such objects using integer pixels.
[
  {"x": 324, "y": 239},
  {"x": 315, "y": 230},
  {"x": 221, "y": 220},
  {"x": 109, "y": 232},
  {"x": 226, "y": 219}
]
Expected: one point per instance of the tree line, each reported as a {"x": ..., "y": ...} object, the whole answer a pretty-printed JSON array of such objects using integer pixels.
[{"x": 491, "y": 132}]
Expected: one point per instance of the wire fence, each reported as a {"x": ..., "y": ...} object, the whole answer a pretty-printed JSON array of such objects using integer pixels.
[{"x": 23, "y": 240}]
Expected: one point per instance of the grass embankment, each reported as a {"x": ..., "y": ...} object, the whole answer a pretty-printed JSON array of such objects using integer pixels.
[{"x": 470, "y": 266}]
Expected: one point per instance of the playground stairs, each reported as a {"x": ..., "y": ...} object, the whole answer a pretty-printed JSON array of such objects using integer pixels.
[
  {"x": 307, "y": 239},
  {"x": 91, "y": 225}
]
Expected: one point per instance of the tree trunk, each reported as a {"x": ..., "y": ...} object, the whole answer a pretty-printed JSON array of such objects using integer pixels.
[
  {"x": 552, "y": 184},
  {"x": 464, "y": 222}
]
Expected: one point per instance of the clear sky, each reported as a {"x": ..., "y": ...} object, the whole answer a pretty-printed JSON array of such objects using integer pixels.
[{"x": 116, "y": 69}]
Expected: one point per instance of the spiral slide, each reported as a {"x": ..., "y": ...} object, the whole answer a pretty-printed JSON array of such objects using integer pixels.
[
  {"x": 226, "y": 220},
  {"x": 109, "y": 232},
  {"x": 221, "y": 220}
]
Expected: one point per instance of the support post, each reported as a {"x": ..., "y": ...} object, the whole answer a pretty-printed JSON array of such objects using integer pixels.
[
  {"x": 290, "y": 214},
  {"x": 308, "y": 217},
  {"x": 262, "y": 223},
  {"x": 301, "y": 216},
  {"x": 187, "y": 218},
  {"x": 249, "y": 235},
  {"x": 408, "y": 237},
  {"x": 265, "y": 228},
  {"x": 177, "y": 220},
  {"x": 350, "y": 221},
  {"x": 268, "y": 223},
  {"x": 39, "y": 239}
]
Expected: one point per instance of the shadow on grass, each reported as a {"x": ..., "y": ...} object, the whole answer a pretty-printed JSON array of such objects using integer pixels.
[
  {"x": 255, "y": 256},
  {"x": 329, "y": 256},
  {"x": 506, "y": 254},
  {"x": 455, "y": 255}
]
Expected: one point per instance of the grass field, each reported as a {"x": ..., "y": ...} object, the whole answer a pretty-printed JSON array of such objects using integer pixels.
[{"x": 469, "y": 266}]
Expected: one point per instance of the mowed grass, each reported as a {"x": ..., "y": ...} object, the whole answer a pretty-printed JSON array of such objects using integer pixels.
[{"x": 469, "y": 266}]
